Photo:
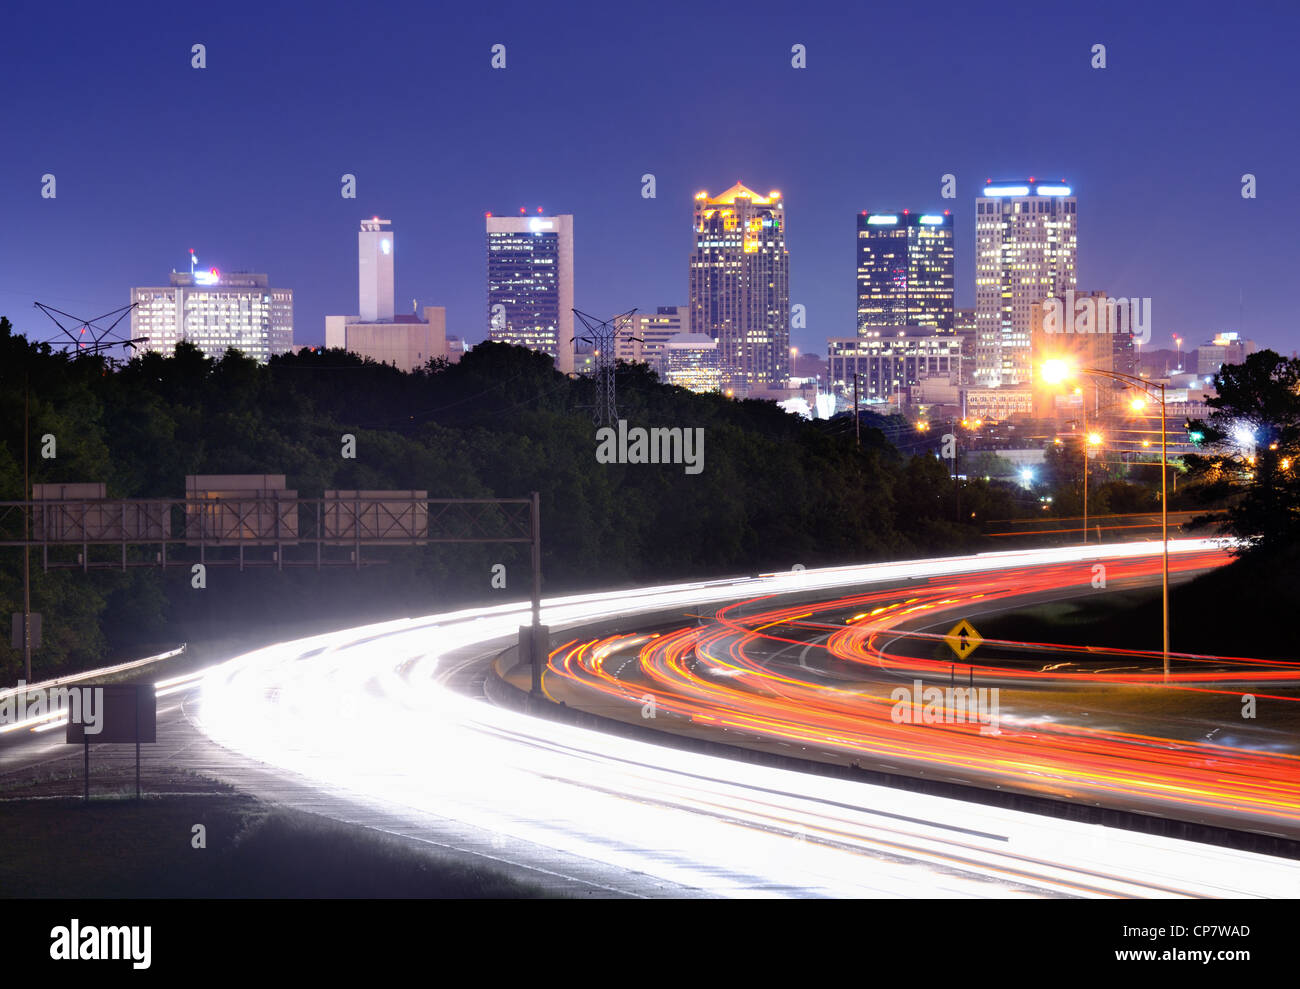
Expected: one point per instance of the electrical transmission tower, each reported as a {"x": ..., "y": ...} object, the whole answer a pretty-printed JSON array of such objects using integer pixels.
[
  {"x": 88, "y": 336},
  {"x": 602, "y": 335}
]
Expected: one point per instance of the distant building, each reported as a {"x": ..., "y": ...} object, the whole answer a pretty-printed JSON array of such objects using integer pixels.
[
  {"x": 214, "y": 312},
  {"x": 963, "y": 325},
  {"x": 643, "y": 337},
  {"x": 905, "y": 270},
  {"x": 997, "y": 404},
  {"x": 1225, "y": 348},
  {"x": 404, "y": 341},
  {"x": 1025, "y": 242},
  {"x": 740, "y": 285},
  {"x": 692, "y": 360},
  {"x": 530, "y": 284},
  {"x": 891, "y": 361}
]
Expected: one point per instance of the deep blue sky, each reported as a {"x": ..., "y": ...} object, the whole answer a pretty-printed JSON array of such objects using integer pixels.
[{"x": 241, "y": 160}]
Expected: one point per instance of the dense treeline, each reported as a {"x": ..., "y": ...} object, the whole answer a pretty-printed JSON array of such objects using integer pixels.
[{"x": 775, "y": 490}]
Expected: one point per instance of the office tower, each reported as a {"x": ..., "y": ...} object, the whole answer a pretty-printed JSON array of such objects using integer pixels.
[
  {"x": 1025, "y": 241},
  {"x": 740, "y": 285},
  {"x": 905, "y": 270},
  {"x": 643, "y": 337},
  {"x": 403, "y": 340},
  {"x": 530, "y": 284},
  {"x": 691, "y": 360},
  {"x": 215, "y": 311},
  {"x": 1225, "y": 348},
  {"x": 376, "y": 251},
  {"x": 890, "y": 362}
]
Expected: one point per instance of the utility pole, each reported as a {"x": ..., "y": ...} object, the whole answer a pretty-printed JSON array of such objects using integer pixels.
[
  {"x": 27, "y": 527},
  {"x": 602, "y": 335}
]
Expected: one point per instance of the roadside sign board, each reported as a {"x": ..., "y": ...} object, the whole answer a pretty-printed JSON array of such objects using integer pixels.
[
  {"x": 129, "y": 713},
  {"x": 963, "y": 639}
]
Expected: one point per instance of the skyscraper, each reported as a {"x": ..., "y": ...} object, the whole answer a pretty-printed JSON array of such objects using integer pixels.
[
  {"x": 215, "y": 311},
  {"x": 740, "y": 285},
  {"x": 1025, "y": 242},
  {"x": 530, "y": 284},
  {"x": 376, "y": 249},
  {"x": 905, "y": 270}
]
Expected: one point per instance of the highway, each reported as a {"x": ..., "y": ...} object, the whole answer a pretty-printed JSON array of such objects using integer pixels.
[{"x": 389, "y": 714}]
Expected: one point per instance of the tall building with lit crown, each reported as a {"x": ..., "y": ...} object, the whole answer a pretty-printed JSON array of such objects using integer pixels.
[
  {"x": 1026, "y": 244},
  {"x": 215, "y": 311},
  {"x": 740, "y": 285},
  {"x": 530, "y": 284},
  {"x": 905, "y": 270}
]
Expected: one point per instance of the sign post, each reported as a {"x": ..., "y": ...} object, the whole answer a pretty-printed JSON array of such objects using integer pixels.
[
  {"x": 122, "y": 713},
  {"x": 964, "y": 640}
]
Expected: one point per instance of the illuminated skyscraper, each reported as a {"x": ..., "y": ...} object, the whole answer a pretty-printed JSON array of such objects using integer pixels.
[
  {"x": 530, "y": 284},
  {"x": 215, "y": 311},
  {"x": 740, "y": 285},
  {"x": 905, "y": 270},
  {"x": 1025, "y": 242},
  {"x": 376, "y": 249}
]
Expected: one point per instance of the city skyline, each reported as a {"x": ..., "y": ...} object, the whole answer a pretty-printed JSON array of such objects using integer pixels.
[{"x": 130, "y": 216}]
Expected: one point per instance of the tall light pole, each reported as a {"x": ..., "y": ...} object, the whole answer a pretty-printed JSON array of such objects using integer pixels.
[{"x": 1054, "y": 372}]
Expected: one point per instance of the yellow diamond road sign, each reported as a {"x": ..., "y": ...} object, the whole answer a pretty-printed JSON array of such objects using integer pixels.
[{"x": 963, "y": 639}]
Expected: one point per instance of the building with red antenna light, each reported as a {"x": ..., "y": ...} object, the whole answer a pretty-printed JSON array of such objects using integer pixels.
[
  {"x": 215, "y": 311},
  {"x": 530, "y": 283}
]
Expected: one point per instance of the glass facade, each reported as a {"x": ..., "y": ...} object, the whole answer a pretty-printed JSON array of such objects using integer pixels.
[{"x": 905, "y": 270}]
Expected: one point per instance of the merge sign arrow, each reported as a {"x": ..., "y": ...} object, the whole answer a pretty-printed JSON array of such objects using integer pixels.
[{"x": 963, "y": 639}]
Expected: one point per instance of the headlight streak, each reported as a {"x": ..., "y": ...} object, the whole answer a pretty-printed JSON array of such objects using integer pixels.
[{"x": 368, "y": 712}]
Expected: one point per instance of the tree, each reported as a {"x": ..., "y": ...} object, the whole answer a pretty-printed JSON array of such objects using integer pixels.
[{"x": 1252, "y": 443}]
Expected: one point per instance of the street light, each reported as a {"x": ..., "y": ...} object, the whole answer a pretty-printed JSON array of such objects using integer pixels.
[{"x": 1057, "y": 371}]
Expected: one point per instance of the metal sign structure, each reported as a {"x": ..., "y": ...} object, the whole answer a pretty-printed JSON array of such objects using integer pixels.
[{"x": 270, "y": 528}]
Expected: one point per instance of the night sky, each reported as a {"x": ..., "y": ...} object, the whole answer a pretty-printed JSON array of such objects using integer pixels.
[{"x": 242, "y": 160}]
